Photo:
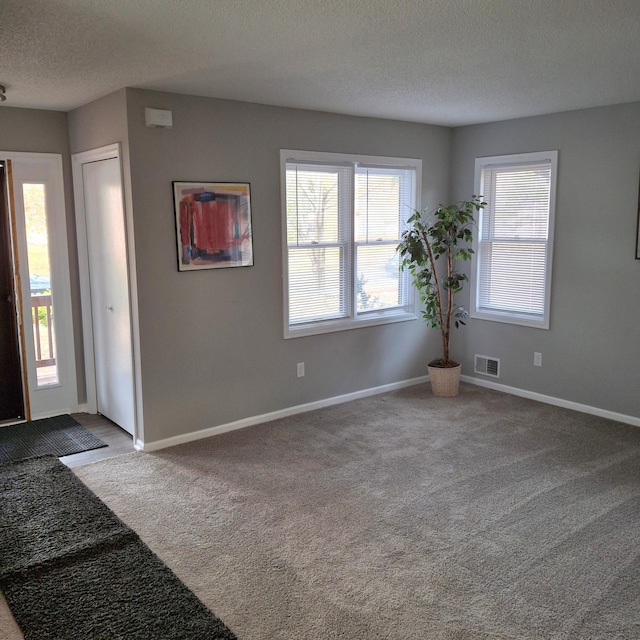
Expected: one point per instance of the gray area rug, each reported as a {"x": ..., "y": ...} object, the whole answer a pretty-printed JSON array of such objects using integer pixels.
[
  {"x": 71, "y": 570},
  {"x": 58, "y": 436},
  {"x": 396, "y": 517}
]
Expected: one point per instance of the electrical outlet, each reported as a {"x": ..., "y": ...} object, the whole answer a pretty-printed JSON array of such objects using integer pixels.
[
  {"x": 537, "y": 359},
  {"x": 300, "y": 369}
]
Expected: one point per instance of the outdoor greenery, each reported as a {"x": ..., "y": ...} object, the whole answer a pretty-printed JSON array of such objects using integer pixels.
[
  {"x": 42, "y": 312},
  {"x": 431, "y": 236}
]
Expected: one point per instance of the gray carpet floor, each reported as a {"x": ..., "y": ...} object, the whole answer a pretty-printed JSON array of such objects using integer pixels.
[{"x": 399, "y": 516}]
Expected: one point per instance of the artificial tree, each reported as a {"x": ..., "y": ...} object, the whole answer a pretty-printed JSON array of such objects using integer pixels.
[{"x": 433, "y": 238}]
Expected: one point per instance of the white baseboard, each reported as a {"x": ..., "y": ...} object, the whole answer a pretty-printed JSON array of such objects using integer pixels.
[
  {"x": 327, "y": 402},
  {"x": 558, "y": 402},
  {"x": 81, "y": 408},
  {"x": 275, "y": 415}
]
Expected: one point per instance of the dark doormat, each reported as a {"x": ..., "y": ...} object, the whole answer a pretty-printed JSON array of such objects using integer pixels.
[
  {"x": 70, "y": 569},
  {"x": 59, "y": 436}
]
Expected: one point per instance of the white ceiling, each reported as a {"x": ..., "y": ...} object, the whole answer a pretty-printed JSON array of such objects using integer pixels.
[{"x": 448, "y": 62}]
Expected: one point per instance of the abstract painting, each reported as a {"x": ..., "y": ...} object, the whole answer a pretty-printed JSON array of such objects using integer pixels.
[{"x": 213, "y": 225}]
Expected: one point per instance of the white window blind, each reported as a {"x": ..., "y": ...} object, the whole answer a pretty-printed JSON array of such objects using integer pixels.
[
  {"x": 513, "y": 251},
  {"x": 383, "y": 198},
  {"x": 318, "y": 234},
  {"x": 343, "y": 223}
]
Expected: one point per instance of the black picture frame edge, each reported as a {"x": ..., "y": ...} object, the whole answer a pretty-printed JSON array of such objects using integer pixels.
[
  {"x": 177, "y": 231},
  {"x": 638, "y": 226}
]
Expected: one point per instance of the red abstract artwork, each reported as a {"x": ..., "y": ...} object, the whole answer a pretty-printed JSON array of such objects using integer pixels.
[{"x": 213, "y": 225}]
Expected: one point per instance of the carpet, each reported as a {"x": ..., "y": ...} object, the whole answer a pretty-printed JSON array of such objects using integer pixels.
[
  {"x": 402, "y": 515},
  {"x": 399, "y": 516},
  {"x": 70, "y": 569},
  {"x": 58, "y": 436}
]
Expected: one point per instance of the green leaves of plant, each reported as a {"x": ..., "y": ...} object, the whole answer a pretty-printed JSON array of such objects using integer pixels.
[{"x": 430, "y": 236}]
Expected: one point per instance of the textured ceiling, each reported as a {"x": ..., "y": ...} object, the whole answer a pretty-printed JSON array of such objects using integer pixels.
[{"x": 449, "y": 62}]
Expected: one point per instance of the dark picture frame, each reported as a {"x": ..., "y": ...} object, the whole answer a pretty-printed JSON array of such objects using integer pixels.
[
  {"x": 213, "y": 225},
  {"x": 638, "y": 227}
]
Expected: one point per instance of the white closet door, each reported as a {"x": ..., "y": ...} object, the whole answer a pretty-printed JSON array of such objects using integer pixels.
[{"x": 109, "y": 284}]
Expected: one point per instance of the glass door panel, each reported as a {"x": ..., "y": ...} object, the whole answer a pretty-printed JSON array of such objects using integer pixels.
[{"x": 42, "y": 315}]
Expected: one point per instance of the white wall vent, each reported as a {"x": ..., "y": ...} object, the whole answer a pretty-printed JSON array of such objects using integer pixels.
[
  {"x": 487, "y": 366},
  {"x": 158, "y": 118}
]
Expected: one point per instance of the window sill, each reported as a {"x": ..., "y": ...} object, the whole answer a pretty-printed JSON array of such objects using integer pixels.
[
  {"x": 522, "y": 319},
  {"x": 346, "y": 324}
]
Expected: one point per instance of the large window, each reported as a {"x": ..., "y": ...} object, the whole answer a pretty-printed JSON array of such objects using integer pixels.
[
  {"x": 343, "y": 216},
  {"x": 514, "y": 239}
]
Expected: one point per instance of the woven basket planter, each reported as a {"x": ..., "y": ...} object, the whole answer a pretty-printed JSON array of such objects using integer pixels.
[{"x": 445, "y": 382}]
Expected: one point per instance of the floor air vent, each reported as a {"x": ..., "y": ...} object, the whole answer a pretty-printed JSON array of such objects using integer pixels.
[{"x": 487, "y": 366}]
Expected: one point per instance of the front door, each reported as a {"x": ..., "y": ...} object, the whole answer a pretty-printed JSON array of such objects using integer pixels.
[
  {"x": 11, "y": 393},
  {"x": 40, "y": 257}
]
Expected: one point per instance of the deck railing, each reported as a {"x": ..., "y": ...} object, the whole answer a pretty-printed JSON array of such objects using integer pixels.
[{"x": 43, "y": 331}]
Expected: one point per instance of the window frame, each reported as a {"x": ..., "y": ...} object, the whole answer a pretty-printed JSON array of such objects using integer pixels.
[
  {"x": 540, "y": 321},
  {"x": 353, "y": 319}
]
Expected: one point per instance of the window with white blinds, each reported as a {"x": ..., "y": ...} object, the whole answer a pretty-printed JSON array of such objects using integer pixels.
[
  {"x": 343, "y": 216},
  {"x": 514, "y": 243}
]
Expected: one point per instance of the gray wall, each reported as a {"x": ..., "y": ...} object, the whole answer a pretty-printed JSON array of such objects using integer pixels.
[
  {"x": 99, "y": 123},
  {"x": 38, "y": 131},
  {"x": 592, "y": 349},
  {"x": 34, "y": 131},
  {"x": 212, "y": 342}
]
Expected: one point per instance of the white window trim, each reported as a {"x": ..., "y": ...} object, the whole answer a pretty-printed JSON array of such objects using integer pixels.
[
  {"x": 371, "y": 318},
  {"x": 513, "y": 317}
]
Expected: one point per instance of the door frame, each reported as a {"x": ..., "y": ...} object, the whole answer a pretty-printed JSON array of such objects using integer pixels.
[
  {"x": 46, "y": 168},
  {"x": 108, "y": 152},
  {"x": 7, "y": 212}
]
